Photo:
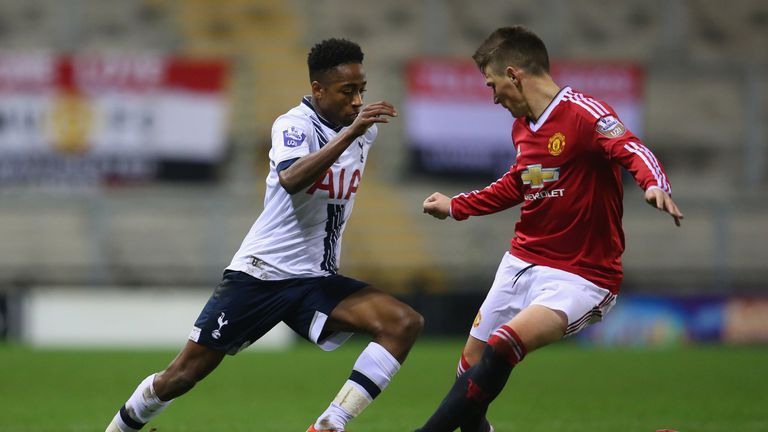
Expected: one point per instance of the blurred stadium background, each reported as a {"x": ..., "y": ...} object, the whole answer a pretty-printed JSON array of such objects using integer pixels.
[
  {"x": 134, "y": 138},
  {"x": 133, "y": 148}
]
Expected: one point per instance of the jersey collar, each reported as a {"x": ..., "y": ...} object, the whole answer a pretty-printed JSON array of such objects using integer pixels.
[
  {"x": 308, "y": 102},
  {"x": 545, "y": 115}
]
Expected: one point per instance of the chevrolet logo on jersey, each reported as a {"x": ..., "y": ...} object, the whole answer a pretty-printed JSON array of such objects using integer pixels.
[{"x": 536, "y": 176}]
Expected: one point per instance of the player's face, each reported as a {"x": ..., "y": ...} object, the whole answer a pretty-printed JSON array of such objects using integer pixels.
[
  {"x": 505, "y": 92},
  {"x": 339, "y": 94}
]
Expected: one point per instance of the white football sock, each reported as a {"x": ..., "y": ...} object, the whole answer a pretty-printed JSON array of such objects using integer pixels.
[
  {"x": 142, "y": 406},
  {"x": 371, "y": 374}
]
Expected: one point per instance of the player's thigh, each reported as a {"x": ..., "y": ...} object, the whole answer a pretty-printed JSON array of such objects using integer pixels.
[
  {"x": 538, "y": 326},
  {"x": 372, "y": 311},
  {"x": 560, "y": 303},
  {"x": 576, "y": 299},
  {"x": 312, "y": 317}
]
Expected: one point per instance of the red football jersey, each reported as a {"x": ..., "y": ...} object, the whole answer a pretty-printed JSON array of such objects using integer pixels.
[{"x": 568, "y": 177}]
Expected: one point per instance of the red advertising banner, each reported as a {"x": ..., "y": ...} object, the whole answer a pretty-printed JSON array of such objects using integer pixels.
[
  {"x": 453, "y": 126},
  {"x": 108, "y": 118}
]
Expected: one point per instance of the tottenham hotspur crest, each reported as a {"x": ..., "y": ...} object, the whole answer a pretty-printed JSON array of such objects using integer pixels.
[{"x": 217, "y": 333}]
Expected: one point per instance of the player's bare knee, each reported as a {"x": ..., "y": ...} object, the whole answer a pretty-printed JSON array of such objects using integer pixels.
[
  {"x": 401, "y": 326},
  {"x": 415, "y": 323},
  {"x": 408, "y": 325}
]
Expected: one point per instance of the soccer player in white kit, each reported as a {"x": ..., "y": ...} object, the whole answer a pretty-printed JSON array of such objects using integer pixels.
[
  {"x": 287, "y": 266},
  {"x": 563, "y": 270}
]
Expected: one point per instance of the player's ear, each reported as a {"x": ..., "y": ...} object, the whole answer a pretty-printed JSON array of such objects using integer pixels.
[
  {"x": 513, "y": 74},
  {"x": 510, "y": 72},
  {"x": 317, "y": 90}
]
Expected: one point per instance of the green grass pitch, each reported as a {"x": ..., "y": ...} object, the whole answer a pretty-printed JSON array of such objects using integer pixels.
[{"x": 563, "y": 388}]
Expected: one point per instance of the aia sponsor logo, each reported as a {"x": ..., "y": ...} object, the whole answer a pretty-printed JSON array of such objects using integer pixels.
[{"x": 337, "y": 183}]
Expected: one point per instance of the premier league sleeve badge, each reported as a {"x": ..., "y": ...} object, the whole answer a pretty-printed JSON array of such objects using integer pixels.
[{"x": 293, "y": 137}]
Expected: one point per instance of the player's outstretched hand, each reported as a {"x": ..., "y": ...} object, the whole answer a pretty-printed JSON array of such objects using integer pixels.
[
  {"x": 377, "y": 112},
  {"x": 437, "y": 205},
  {"x": 662, "y": 201}
]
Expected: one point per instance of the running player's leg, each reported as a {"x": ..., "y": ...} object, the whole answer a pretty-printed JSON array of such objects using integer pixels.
[
  {"x": 554, "y": 304},
  {"x": 505, "y": 299},
  {"x": 534, "y": 327},
  {"x": 158, "y": 390},
  {"x": 394, "y": 327},
  {"x": 240, "y": 311}
]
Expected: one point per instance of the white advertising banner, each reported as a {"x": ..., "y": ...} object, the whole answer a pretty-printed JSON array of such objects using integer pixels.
[
  {"x": 111, "y": 317},
  {"x": 108, "y": 118},
  {"x": 453, "y": 126}
]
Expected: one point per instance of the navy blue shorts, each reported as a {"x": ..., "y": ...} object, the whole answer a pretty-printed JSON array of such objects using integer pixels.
[{"x": 243, "y": 308}]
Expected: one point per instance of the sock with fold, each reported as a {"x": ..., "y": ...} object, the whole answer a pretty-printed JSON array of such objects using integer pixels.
[
  {"x": 142, "y": 406},
  {"x": 371, "y": 374}
]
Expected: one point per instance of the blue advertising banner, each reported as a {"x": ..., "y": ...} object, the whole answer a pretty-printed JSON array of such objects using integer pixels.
[{"x": 660, "y": 321}]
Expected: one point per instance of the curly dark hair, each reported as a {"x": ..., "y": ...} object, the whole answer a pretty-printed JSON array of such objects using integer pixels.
[{"x": 330, "y": 53}]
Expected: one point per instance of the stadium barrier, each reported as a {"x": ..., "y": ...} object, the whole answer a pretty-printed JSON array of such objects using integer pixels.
[
  {"x": 157, "y": 318},
  {"x": 109, "y": 317}
]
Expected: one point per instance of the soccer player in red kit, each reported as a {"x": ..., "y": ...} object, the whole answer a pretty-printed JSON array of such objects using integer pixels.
[{"x": 563, "y": 270}]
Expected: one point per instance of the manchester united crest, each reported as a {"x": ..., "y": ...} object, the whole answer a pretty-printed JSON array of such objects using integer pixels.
[{"x": 556, "y": 144}]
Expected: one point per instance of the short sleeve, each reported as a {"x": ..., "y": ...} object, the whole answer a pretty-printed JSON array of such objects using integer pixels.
[{"x": 290, "y": 138}]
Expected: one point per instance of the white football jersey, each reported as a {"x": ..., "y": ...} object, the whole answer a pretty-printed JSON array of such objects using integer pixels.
[{"x": 299, "y": 235}]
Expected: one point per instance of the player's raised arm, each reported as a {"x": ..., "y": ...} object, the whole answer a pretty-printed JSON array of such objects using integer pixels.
[{"x": 306, "y": 170}]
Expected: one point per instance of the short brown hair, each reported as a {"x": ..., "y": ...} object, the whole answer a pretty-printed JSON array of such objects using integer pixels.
[{"x": 517, "y": 46}]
